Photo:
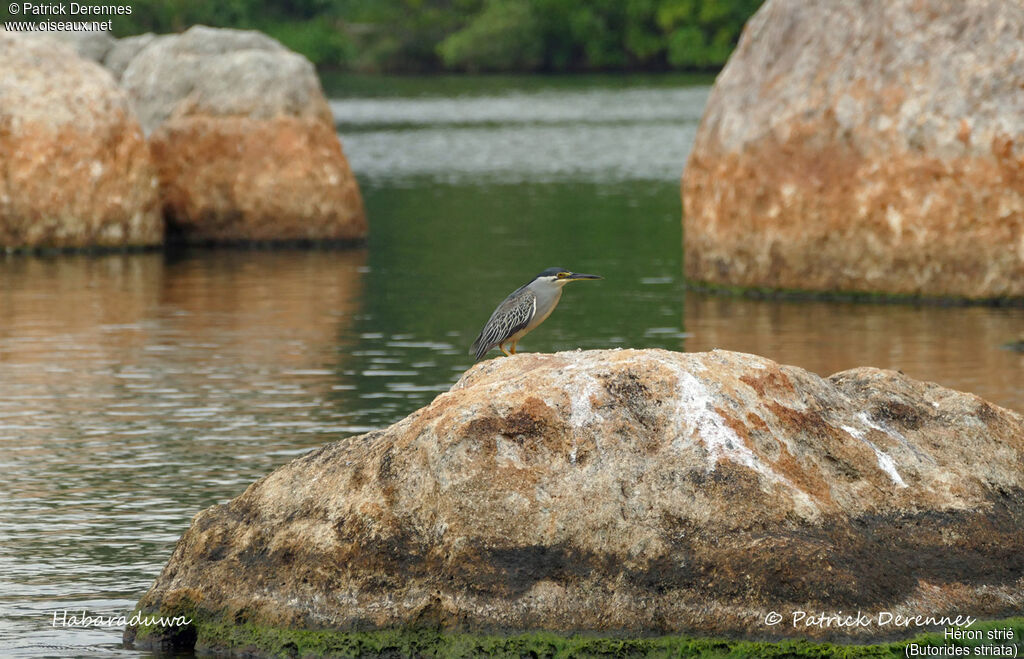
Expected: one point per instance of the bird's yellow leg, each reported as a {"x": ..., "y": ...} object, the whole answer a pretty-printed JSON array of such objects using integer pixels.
[
  {"x": 502, "y": 346},
  {"x": 512, "y": 349}
]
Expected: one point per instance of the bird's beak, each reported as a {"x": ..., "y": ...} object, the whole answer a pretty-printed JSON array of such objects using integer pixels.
[{"x": 580, "y": 275}]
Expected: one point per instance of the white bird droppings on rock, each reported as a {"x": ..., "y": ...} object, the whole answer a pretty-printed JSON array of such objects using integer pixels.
[{"x": 885, "y": 461}]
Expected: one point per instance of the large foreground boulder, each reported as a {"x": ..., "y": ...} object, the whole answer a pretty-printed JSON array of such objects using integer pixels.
[
  {"x": 627, "y": 492},
  {"x": 865, "y": 146},
  {"x": 243, "y": 139},
  {"x": 75, "y": 170}
]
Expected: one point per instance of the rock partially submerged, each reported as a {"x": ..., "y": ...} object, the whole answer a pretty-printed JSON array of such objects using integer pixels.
[
  {"x": 872, "y": 150},
  {"x": 75, "y": 169},
  {"x": 628, "y": 492},
  {"x": 242, "y": 137}
]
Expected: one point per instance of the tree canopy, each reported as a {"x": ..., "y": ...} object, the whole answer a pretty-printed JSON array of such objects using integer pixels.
[{"x": 474, "y": 35}]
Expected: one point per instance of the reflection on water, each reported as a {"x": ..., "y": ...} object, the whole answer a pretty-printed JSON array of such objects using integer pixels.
[
  {"x": 958, "y": 347},
  {"x": 604, "y": 135},
  {"x": 136, "y": 390},
  {"x": 591, "y": 106}
]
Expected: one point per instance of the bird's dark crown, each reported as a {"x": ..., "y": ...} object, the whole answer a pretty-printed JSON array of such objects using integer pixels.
[{"x": 551, "y": 272}]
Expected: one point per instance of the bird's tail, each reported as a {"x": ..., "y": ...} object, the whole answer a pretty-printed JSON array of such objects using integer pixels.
[{"x": 478, "y": 349}]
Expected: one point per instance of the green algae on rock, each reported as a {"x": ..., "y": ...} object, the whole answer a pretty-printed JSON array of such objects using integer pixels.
[
  {"x": 864, "y": 296},
  {"x": 245, "y": 639},
  {"x": 627, "y": 494}
]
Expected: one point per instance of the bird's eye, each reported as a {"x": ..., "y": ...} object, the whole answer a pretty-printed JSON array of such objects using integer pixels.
[{"x": 563, "y": 275}]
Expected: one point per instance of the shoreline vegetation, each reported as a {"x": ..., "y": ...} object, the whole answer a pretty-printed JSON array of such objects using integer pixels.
[
  {"x": 475, "y": 36},
  {"x": 446, "y": 84}
]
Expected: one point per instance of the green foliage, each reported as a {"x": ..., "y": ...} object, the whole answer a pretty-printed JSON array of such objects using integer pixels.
[
  {"x": 177, "y": 15},
  {"x": 502, "y": 37},
  {"x": 702, "y": 34},
  {"x": 473, "y": 35},
  {"x": 319, "y": 39}
]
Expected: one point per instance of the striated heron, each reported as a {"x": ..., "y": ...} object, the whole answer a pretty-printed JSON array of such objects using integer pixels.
[{"x": 524, "y": 309}]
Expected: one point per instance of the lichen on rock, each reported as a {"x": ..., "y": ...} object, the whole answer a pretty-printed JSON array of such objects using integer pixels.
[
  {"x": 242, "y": 137},
  {"x": 856, "y": 149},
  {"x": 75, "y": 170}
]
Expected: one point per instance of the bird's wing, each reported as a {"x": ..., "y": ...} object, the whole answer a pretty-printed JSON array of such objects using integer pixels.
[{"x": 512, "y": 315}]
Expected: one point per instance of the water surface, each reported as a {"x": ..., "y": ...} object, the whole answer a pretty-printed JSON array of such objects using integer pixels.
[{"x": 136, "y": 390}]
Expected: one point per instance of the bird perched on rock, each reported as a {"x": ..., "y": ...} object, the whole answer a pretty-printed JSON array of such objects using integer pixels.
[{"x": 524, "y": 309}]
